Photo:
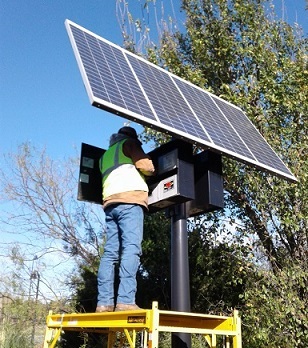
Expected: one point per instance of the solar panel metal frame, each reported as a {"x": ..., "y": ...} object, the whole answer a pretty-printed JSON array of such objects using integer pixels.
[{"x": 178, "y": 87}]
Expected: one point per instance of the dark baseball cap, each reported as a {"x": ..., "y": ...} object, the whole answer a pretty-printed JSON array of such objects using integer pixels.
[{"x": 129, "y": 131}]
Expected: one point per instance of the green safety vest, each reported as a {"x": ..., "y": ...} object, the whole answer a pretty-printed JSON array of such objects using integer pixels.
[{"x": 115, "y": 175}]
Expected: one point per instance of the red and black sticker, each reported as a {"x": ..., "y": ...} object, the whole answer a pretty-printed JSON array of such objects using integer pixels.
[{"x": 169, "y": 185}]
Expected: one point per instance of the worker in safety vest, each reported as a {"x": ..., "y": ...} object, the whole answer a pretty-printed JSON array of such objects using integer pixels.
[{"x": 125, "y": 197}]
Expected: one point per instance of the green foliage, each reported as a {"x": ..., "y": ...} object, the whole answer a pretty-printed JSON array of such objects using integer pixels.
[
  {"x": 277, "y": 304},
  {"x": 242, "y": 52},
  {"x": 154, "y": 274},
  {"x": 15, "y": 338},
  {"x": 86, "y": 288},
  {"x": 219, "y": 274},
  {"x": 22, "y": 323}
]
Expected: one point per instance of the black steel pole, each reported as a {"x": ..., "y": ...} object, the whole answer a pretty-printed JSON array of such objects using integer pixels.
[{"x": 180, "y": 286}]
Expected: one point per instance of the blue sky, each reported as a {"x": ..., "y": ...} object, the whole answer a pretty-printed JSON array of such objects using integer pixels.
[{"x": 42, "y": 97}]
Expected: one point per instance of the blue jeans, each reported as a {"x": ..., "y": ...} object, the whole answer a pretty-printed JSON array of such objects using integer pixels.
[{"x": 123, "y": 245}]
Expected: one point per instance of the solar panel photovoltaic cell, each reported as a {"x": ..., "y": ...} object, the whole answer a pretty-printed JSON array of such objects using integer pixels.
[
  {"x": 169, "y": 105},
  {"x": 128, "y": 85},
  {"x": 220, "y": 131},
  {"x": 250, "y": 135},
  {"x": 109, "y": 75}
]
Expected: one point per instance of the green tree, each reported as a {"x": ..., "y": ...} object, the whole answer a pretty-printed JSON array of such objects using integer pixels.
[
  {"x": 242, "y": 52},
  {"x": 219, "y": 272},
  {"x": 44, "y": 208},
  {"x": 22, "y": 322},
  {"x": 154, "y": 274},
  {"x": 277, "y": 304},
  {"x": 47, "y": 219},
  {"x": 237, "y": 51}
]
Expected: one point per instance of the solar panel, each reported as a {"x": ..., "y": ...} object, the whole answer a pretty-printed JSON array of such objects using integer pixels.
[{"x": 125, "y": 84}]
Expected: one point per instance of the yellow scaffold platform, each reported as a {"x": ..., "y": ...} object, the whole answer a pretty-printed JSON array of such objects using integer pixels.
[{"x": 148, "y": 321}]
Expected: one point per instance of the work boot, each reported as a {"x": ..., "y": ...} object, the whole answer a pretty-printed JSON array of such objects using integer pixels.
[
  {"x": 126, "y": 307},
  {"x": 101, "y": 309}
]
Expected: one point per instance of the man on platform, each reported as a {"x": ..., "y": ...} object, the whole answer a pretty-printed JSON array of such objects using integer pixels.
[{"x": 125, "y": 198}]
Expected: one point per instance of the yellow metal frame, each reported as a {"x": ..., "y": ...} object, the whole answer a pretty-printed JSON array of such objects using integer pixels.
[{"x": 151, "y": 322}]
